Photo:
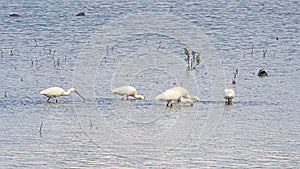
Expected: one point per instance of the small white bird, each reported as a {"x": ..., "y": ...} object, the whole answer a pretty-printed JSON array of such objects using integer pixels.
[
  {"x": 170, "y": 96},
  {"x": 228, "y": 96},
  {"x": 126, "y": 91},
  {"x": 56, "y": 92},
  {"x": 185, "y": 93}
]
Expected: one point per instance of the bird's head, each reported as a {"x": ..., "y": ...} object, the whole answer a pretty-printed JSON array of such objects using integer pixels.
[
  {"x": 72, "y": 90},
  {"x": 195, "y": 98},
  {"x": 140, "y": 97}
]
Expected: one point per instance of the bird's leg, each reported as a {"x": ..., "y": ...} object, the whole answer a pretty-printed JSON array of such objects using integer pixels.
[
  {"x": 48, "y": 99},
  {"x": 167, "y": 104},
  {"x": 56, "y": 100},
  {"x": 230, "y": 101}
]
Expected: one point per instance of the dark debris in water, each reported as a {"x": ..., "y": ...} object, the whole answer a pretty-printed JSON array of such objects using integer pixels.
[
  {"x": 14, "y": 15},
  {"x": 81, "y": 14},
  {"x": 262, "y": 73},
  {"x": 233, "y": 82}
]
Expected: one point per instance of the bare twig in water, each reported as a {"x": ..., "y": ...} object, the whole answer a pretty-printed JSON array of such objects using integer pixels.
[
  {"x": 41, "y": 127},
  {"x": 106, "y": 50},
  {"x": 91, "y": 124},
  {"x": 58, "y": 63},
  {"x": 264, "y": 53},
  {"x": 1, "y": 52},
  {"x": 159, "y": 45},
  {"x": 235, "y": 75},
  {"x": 35, "y": 43},
  {"x": 171, "y": 8},
  {"x": 236, "y": 72}
]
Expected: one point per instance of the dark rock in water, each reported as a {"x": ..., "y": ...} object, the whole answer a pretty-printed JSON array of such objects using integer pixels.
[
  {"x": 233, "y": 82},
  {"x": 262, "y": 72},
  {"x": 14, "y": 15},
  {"x": 81, "y": 14}
]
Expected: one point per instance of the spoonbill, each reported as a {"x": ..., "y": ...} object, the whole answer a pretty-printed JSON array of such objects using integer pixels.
[
  {"x": 170, "y": 96},
  {"x": 228, "y": 96},
  {"x": 56, "y": 92},
  {"x": 127, "y": 91},
  {"x": 185, "y": 93}
]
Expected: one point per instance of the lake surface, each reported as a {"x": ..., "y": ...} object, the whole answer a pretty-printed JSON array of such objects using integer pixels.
[{"x": 141, "y": 44}]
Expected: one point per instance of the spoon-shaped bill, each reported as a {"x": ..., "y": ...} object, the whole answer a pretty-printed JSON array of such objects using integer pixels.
[{"x": 79, "y": 95}]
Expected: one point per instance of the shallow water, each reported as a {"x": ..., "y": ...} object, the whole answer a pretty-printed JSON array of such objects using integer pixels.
[{"x": 49, "y": 46}]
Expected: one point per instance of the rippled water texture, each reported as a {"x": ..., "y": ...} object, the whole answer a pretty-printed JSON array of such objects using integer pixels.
[{"x": 117, "y": 43}]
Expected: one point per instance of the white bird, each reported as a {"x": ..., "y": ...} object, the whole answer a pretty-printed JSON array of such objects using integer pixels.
[
  {"x": 170, "y": 96},
  {"x": 185, "y": 93},
  {"x": 186, "y": 100},
  {"x": 228, "y": 96},
  {"x": 56, "y": 92},
  {"x": 127, "y": 91}
]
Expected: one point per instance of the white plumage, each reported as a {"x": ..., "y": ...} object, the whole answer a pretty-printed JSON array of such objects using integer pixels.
[
  {"x": 185, "y": 93},
  {"x": 179, "y": 94},
  {"x": 56, "y": 92},
  {"x": 228, "y": 96},
  {"x": 126, "y": 91},
  {"x": 186, "y": 100},
  {"x": 170, "y": 96}
]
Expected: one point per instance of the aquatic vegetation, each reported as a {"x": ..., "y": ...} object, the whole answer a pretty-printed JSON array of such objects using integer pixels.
[
  {"x": 264, "y": 53},
  {"x": 235, "y": 75},
  {"x": 192, "y": 59}
]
